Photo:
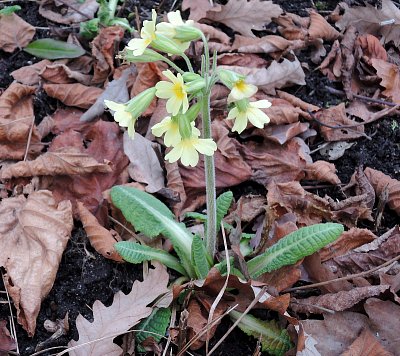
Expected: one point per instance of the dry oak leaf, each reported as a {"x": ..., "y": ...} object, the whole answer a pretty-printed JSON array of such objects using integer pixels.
[
  {"x": 75, "y": 94},
  {"x": 381, "y": 181},
  {"x": 371, "y": 48},
  {"x": 124, "y": 312},
  {"x": 86, "y": 10},
  {"x": 276, "y": 76},
  {"x": 100, "y": 238},
  {"x": 337, "y": 302},
  {"x": 33, "y": 234},
  {"x": 320, "y": 28},
  {"x": 371, "y": 20},
  {"x": 390, "y": 78},
  {"x": 322, "y": 171},
  {"x": 242, "y": 59},
  {"x": 59, "y": 73},
  {"x": 266, "y": 44},
  {"x": 29, "y": 75},
  {"x": 15, "y": 33},
  {"x": 198, "y": 9},
  {"x": 62, "y": 162},
  {"x": 283, "y": 133},
  {"x": 244, "y": 16},
  {"x": 385, "y": 322},
  {"x": 347, "y": 241},
  {"x": 7, "y": 343},
  {"x": 213, "y": 34},
  {"x": 367, "y": 345}
]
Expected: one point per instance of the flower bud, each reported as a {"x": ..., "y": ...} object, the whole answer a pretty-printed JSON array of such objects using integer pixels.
[
  {"x": 195, "y": 86},
  {"x": 141, "y": 102},
  {"x": 189, "y": 76},
  {"x": 187, "y": 33},
  {"x": 229, "y": 78},
  {"x": 164, "y": 44},
  {"x": 147, "y": 56}
]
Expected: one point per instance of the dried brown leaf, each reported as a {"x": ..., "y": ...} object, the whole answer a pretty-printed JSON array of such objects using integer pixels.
[
  {"x": 389, "y": 73},
  {"x": 276, "y": 76},
  {"x": 124, "y": 312},
  {"x": 337, "y": 302},
  {"x": 104, "y": 48},
  {"x": 59, "y": 73},
  {"x": 86, "y": 11},
  {"x": 34, "y": 234},
  {"x": 198, "y": 9},
  {"x": 214, "y": 34},
  {"x": 64, "y": 162},
  {"x": 320, "y": 28},
  {"x": 322, "y": 171},
  {"x": 380, "y": 181},
  {"x": 266, "y": 44},
  {"x": 29, "y": 75},
  {"x": 367, "y": 345},
  {"x": 385, "y": 319},
  {"x": 244, "y": 16},
  {"x": 100, "y": 238},
  {"x": 371, "y": 48},
  {"x": 291, "y": 197},
  {"x": 281, "y": 134},
  {"x": 347, "y": 241},
  {"x": 15, "y": 33},
  {"x": 336, "y": 332},
  {"x": 248, "y": 208},
  {"x": 7, "y": 343},
  {"x": 297, "y": 102},
  {"x": 242, "y": 59},
  {"x": 75, "y": 94}
]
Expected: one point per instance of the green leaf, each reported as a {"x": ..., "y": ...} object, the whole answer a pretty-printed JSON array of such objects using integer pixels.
[
  {"x": 89, "y": 29},
  {"x": 8, "y": 10},
  {"x": 224, "y": 202},
  {"x": 136, "y": 253},
  {"x": 197, "y": 216},
  {"x": 199, "y": 258},
  {"x": 157, "y": 323},
  {"x": 274, "y": 340},
  {"x": 53, "y": 49},
  {"x": 152, "y": 217},
  {"x": 119, "y": 21},
  {"x": 293, "y": 247}
]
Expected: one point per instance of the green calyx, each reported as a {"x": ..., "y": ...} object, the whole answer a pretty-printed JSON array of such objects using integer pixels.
[
  {"x": 187, "y": 33},
  {"x": 242, "y": 105},
  {"x": 185, "y": 128},
  {"x": 229, "y": 78},
  {"x": 141, "y": 102},
  {"x": 164, "y": 44},
  {"x": 147, "y": 56}
]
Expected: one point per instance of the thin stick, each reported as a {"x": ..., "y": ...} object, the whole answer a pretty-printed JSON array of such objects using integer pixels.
[
  {"x": 135, "y": 236},
  {"x": 29, "y": 138},
  {"x": 252, "y": 304},
  {"x": 352, "y": 276},
  {"x": 223, "y": 289}
]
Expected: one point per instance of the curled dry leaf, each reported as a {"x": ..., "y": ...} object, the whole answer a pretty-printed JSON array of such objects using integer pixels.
[
  {"x": 337, "y": 302},
  {"x": 242, "y": 59},
  {"x": 29, "y": 75},
  {"x": 75, "y": 94},
  {"x": 244, "y": 16},
  {"x": 281, "y": 134},
  {"x": 15, "y": 33},
  {"x": 7, "y": 343},
  {"x": 175, "y": 184},
  {"x": 198, "y": 9},
  {"x": 389, "y": 73},
  {"x": 247, "y": 208},
  {"x": 100, "y": 238},
  {"x": 86, "y": 11},
  {"x": 385, "y": 321},
  {"x": 381, "y": 181},
  {"x": 59, "y": 73},
  {"x": 103, "y": 50},
  {"x": 64, "y": 162},
  {"x": 34, "y": 232},
  {"x": 347, "y": 241},
  {"x": 320, "y": 28},
  {"x": 213, "y": 34},
  {"x": 276, "y": 76},
  {"x": 266, "y": 44},
  {"x": 322, "y": 171},
  {"x": 297, "y": 102},
  {"x": 96, "y": 338},
  {"x": 367, "y": 345},
  {"x": 371, "y": 48}
]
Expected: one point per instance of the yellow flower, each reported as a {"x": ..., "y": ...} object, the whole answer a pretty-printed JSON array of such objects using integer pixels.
[
  {"x": 170, "y": 127},
  {"x": 176, "y": 92},
  {"x": 250, "y": 113},
  {"x": 123, "y": 117},
  {"x": 241, "y": 90},
  {"x": 147, "y": 34},
  {"x": 187, "y": 150}
]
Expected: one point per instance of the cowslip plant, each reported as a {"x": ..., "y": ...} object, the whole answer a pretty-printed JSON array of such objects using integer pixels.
[
  {"x": 187, "y": 95},
  {"x": 153, "y": 218}
]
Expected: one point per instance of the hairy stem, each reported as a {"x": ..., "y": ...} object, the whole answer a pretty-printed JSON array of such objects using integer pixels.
[
  {"x": 188, "y": 63},
  {"x": 112, "y": 6},
  {"x": 211, "y": 235},
  {"x": 172, "y": 64}
]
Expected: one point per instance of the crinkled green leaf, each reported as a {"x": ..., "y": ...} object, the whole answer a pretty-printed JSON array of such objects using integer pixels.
[
  {"x": 8, "y": 10},
  {"x": 293, "y": 247},
  {"x": 136, "y": 253},
  {"x": 157, "y": 323},
  {"x": 224, "y": 202},
  {"x": 89, "y": 29},
  {"x": 199, "y": 257},
  {"x": 53, "y": 49},
  {"x": 152, "y": 217},
  {"x": 274, "y": 340}
]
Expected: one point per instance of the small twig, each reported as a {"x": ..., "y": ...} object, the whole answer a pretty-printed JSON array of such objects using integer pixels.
[
  {"x": 383, "y": 199},
  {"x": 135, "y": 236},
  {"x": 330, "y": 311},
  {"x": 223, "y": 289},
  {"x": 361, "y": 97},
  {"x": 252, "y": 304},
  {"x": 74, "y": 8},
  {"x": 352, "y": 276},
  {"x": 29, "y": 138}
]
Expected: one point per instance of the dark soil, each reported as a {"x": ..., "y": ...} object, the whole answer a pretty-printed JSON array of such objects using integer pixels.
[{"x": 84, "y": 276}]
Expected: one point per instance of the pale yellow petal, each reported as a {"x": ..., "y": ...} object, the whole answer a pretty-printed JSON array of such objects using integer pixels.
[
  {"x": 175, "y": 153},
  {"x": 114, "y": 106},
  {"x": 123, "y": 118},
  {"x": 159, "y": 129},
  {"x": 166, "y": 29},
  {"x": 172, "y": 137},
  {"x": 173, "y": 105},
  {"x": 234, "y": 112},
  {"x": 170, "y": 75},
  {"x": 185, "y": 104},
  {"x": 175, "y": 18},
  {"x": 262, "y": 104},
  {"x": 257, "y": 117},
  {"x": 137, "y": 46},
  {"x": 131, "y": 129},
  {"x": 206, "y": 146},
  {"x": 240, "y": 123},
  {"x": 164, "y": 90},
  {"x": 189, "y": 156}
]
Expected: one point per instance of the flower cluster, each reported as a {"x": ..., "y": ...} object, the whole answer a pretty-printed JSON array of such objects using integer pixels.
[{"x": 185, "y": 92}]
